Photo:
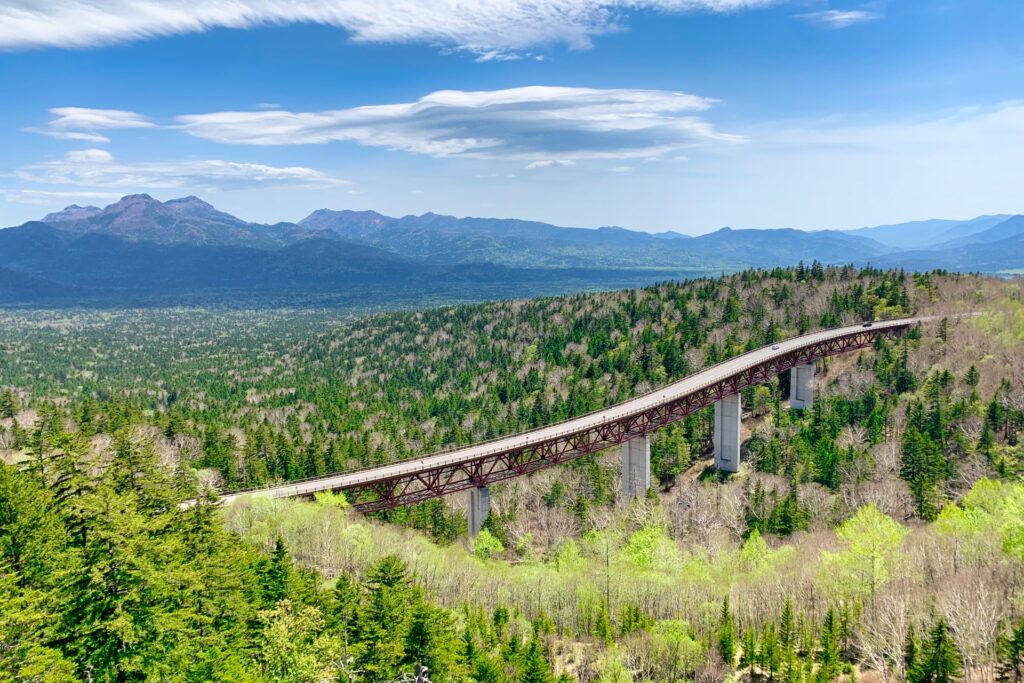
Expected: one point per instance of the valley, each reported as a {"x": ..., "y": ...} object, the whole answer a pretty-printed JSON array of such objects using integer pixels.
[{"x": 905, "y": 467}]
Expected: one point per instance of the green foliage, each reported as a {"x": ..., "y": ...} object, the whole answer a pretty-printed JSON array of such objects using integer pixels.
[
  {"x": 9, "y": 404},
  {"x": 870, "y": 559},
  {"x": 936, "y": 660},
  {"x": 1010, "y": 648},
  {"x": 727, "y": 644},
  {"x": 104, "y": 576},
  {"x": 486, "y": 545}
]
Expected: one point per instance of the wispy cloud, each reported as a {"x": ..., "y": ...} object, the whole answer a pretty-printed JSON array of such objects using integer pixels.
[
  {"x": 97, "y": 169},
  {"x": 835, "y": 19},
  {"x": 530, "y": 123},
  {"x": 100, "y": 156},
  {"x": 82, "y": 123},
  {"x": 47, "y": 196},
  {"x": 550, "y": 163},
  {"x": 493, "y": 29},
  {"x": 74, "y": 135}
]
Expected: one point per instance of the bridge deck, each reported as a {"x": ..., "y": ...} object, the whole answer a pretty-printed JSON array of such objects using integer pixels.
[{"x": 524, "y": 441}]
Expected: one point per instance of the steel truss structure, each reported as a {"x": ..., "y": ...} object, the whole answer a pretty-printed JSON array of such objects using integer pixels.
[{"x": 434, "y": 482}]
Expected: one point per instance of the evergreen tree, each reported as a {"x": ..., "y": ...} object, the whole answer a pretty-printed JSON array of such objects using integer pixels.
[
  {"x": 9, "y": 404},
  {"x": 1010, "y": 664},
  {"x": 431, "y": 641},
  {"x": 749, "y": 655},
  {"x": 727, "y": 634},
  {"x": 275, "y": 580},
  {"x": 828, "y": 653},
  {"x": 535, "y": 668},
  {"x": 384, "y": 618},
  {"x": 938, "y": 660}
]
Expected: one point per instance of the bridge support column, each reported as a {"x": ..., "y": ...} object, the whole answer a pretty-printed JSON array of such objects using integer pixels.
[
  {"x": 636, "y": 467},
  {"x": 479, "y": 502},
  {"x": 801, "y": 391},
  {"x": 728, "y": 414}
]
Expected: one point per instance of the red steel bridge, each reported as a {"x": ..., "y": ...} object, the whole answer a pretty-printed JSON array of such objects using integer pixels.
[{"x": 473, "y": 468}]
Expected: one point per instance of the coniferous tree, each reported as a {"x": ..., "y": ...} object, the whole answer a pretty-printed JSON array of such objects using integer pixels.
[
  {"x": 938, "y": 660},
  {"x": 535, "y": 668},
  {"x": 727, "y": 634},
  {"x": 1010, "y": 664},
  {"x": 9, "y": 404},
  {"x": 828, "y": 655}
]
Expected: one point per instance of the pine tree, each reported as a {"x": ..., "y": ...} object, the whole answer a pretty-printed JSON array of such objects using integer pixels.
[
  {"x": 1010, "y": 665},
  {"x": 9, "y": 404},
  {"x": 384, "y": 618},
  {"x": 938, "y": 660},
  {"x": 828, "y": 652},
  {"x": 274, "y": 582},
  {"x": 535, "y": 668},
  {"x": 727, "y": 634},
  {"x": 346, "y": 605},
  {"x": 486, "y": 670},
  {"x": 431, "y": 641},
  {"x": 788, "y": 664},
  {"x": 749, "y": 655},
  {"x": 469, "y": 649},
  {"x": 603, "y": 625},
  {"x": 910, "y": 654}
]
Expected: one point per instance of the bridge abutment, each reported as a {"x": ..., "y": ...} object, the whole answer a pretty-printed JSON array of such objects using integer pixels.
[
  {"x": 636, "y": 467},
  {"x": 478, "y": 500},
  {"x": 728, "y": 414},
  {"x": 801, "y": 389}
]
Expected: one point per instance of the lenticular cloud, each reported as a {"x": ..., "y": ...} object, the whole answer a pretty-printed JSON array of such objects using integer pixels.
[
  {"x": 519, "y": 123},
  {"x": 490, "y": 28}
]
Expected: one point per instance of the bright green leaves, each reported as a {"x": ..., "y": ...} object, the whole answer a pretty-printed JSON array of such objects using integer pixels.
[{"x": 871, "y": 558}]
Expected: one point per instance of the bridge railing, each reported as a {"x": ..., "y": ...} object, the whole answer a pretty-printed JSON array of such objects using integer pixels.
[{"x": 423, "y": 463}]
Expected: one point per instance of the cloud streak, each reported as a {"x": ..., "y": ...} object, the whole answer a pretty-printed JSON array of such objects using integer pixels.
[
  {"x": 530, "y": 123},
  {"x": 551, "y": 163},
  {"x": 493, "y": 29},
  {"x": 836, "y": 19},
  {"x": 98, "y": 169}
]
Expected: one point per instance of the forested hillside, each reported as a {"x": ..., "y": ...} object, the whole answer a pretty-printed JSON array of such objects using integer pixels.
[{"x": 878, "y": 535}]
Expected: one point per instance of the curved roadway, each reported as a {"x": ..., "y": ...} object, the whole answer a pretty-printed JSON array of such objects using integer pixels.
[{"x": 668, "y": 393}]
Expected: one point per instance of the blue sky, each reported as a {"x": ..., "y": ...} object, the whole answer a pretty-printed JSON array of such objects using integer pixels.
[{"x": 651, "y": 114}]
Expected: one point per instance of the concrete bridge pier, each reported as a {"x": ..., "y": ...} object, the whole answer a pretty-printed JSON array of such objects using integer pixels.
[
  {"x": 728, "y": 414},
  {"x": 479, "y": 502},
  {"x": 801, "y": 389},
  {"x": 636, "y": 467}
]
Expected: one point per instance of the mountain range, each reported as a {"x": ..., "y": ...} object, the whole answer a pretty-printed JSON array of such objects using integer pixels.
[{"x": 139, "y": 249}]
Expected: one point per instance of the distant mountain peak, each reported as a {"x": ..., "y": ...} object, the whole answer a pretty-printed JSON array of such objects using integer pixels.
[
  {"x": 72, "y": 212},
  {"x": 141, "y": 198},
  {"x": 190, "y": 200},
  {"x": 185, "y": 220}
]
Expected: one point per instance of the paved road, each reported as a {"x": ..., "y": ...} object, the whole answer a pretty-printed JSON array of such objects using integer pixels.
[{"x": 640, "y": 404}]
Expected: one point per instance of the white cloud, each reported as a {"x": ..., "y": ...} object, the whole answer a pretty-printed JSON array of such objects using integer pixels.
[
  {"x": 89, "y": 169},
  {"x": 834, "y": 18},
  {"x": 47, "y": 197},
  {"x": 84, "y": 118},
  {"x": 90, "y": 155},
  {"x": 549, "y": 163},
  {"x": 82, "y": 123},
  {"x": 530, "y": 123},
  {"x": 77, "y": 136},
  {"x": 497, "y": 28}
]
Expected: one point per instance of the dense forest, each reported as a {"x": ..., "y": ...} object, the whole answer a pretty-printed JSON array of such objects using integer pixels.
[{"x": 877, "y": 536}]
